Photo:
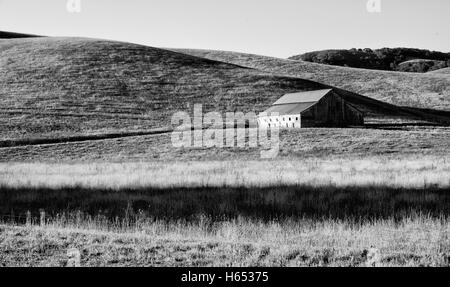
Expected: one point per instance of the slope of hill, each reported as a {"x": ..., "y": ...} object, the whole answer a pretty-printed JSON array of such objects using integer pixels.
[
  {"x": 444, "y": 71},
  {"x": 421, "y": 65},
  {"x": 431, "y": 91},
  {"x": 53, "y": 87},
  {"x": 388, "y": 59}
]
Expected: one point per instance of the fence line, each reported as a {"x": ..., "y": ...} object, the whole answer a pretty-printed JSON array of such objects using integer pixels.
[{"x": 28, "y": 218}]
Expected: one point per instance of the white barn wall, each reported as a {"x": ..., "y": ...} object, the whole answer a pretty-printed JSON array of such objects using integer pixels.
[{"x": 282, "y": 122}]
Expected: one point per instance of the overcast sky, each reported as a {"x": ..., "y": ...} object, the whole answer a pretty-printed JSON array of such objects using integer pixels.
[{"x": 278, "y": 28}]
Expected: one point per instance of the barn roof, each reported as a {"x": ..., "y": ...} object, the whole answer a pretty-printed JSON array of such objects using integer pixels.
[
  {"x": 302, "y": 97},
  {"x": 289, "y": 109},
  {"x": 296, "y": 103}
]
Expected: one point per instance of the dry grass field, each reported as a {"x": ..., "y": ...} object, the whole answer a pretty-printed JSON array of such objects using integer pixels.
[
  {"x": 284, "y": 212},
  {"x": 417, "y": 241},
  {"x": 305, "y": 143},
  {"x": 85, "y": 139},
  {"x": 369, "y": 188}
]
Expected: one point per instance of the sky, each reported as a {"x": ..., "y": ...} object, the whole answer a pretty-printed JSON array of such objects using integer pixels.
[{"x": 279, "y": 28}]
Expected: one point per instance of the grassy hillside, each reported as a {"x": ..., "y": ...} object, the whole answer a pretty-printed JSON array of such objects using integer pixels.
[
  {"x": 59, "y": 87},
  {"x": 421, "y": 66},
  {"x": 388, "y": 59},
  {"x": 405, "y": 89},
  {"x": 297, "y": 145},
  {"x": 444, "y": 71}
]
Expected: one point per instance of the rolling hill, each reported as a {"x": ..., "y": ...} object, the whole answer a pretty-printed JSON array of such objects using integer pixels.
[
  {"x": 62, "y": 87},
  {"x": 444, "y": 71},
  {"x": 389, "y": 59},
  {"x": 54, "y": 87},
  {"x": 428, "y": 91},
  {"x": 421, "y": 65}
]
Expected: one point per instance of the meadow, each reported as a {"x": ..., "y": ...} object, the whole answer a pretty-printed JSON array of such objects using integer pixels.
[
  {"x": 329, "y": 197},
  {"x": 283, "y": 212},
  {"x": 414, "y": 241},
  {"x": 305, "y": 143}
]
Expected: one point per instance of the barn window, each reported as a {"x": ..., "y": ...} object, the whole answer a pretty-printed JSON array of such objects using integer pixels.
[
  {"x": 269, "y": 125},
  {"x": 289, "y": 119},
  {"x": 296, "y": 118}
]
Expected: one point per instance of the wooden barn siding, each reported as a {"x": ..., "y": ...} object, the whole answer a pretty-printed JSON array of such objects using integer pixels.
[
  {"x": 353, "y": 116},
  {"x": 332, "y": 111}
]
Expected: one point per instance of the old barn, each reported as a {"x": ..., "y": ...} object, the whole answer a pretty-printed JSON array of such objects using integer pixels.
[{"x": 319, "y": 108}]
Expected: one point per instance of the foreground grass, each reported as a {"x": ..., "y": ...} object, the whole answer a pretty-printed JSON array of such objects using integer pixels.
[
  {"x": 415, "y": 241},
  {"x": 310, "y": 212}
]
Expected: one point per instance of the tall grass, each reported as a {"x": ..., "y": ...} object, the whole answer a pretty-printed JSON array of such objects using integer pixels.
[
  {"x": 366, "y": 189},
  {"x": 219, "y": 204},
  {"x": 406, "y": 171}
]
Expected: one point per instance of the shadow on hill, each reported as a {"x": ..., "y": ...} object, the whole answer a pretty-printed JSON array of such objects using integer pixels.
[
  {"x": 356, "y": 204},
  {"x": 404, "y": 89},
  {"x": 382, "y": 109},
  {"x": 11, "y": 35},
  {"x": 79, "y": 138}
]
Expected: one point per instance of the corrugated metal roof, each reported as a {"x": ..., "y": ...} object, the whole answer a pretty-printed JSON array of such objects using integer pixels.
[
  {"x": 289, "y": 109},
  {"x": 302, "y": 97}
]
